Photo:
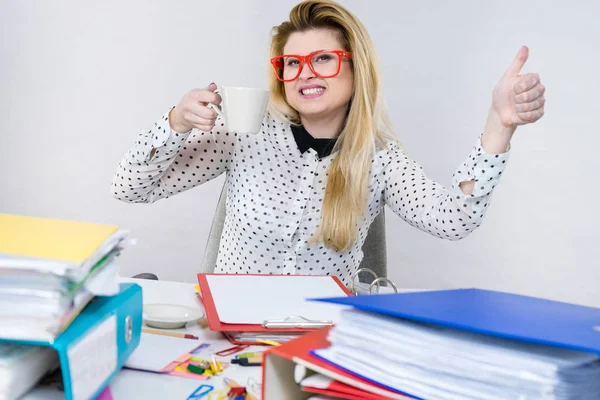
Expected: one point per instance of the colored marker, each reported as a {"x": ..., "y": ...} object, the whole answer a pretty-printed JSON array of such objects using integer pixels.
[
  {"x": 248, "y": 362},
  {"x": 271, "y": 342},
  {"x": 195, "y": 369}
]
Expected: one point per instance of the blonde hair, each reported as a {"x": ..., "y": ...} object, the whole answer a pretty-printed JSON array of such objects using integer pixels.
[{"x": 346, "y": 193}]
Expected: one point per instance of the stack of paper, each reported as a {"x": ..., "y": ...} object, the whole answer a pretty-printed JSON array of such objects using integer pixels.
[
  {"x": 436, "y": 362},
  {"x": 21, "y": 367},
  {"x": 49, "y": 270},
  {"x": 249, "y": 337},
  {"x": 469, "y": 344}
]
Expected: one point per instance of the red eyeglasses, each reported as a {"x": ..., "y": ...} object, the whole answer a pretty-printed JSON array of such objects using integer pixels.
[{"x": 323, "y": 63}]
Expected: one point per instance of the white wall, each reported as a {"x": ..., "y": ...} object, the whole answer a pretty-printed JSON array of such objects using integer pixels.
[{"x": 80, "y": 79}]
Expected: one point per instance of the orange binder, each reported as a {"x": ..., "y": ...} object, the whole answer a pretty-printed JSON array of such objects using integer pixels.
[
  {"x": 279, "y": 373},
  {"x": 293, "y": 324}
]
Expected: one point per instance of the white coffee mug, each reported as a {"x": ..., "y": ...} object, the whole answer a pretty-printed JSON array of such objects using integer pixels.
[{"x": 243, "y": 108}]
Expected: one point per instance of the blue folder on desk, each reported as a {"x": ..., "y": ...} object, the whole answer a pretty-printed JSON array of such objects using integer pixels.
[
  {"x": 98, "y": 342},
  {"x": 506, "y": 315}
]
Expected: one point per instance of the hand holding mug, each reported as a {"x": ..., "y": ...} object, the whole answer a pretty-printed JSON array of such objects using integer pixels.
[{"x": 193, "y": 110}]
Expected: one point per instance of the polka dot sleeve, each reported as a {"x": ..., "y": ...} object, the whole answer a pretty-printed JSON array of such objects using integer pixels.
[
  {"x": 445, "y": 213},
  {"x": 163, "y": 162}
]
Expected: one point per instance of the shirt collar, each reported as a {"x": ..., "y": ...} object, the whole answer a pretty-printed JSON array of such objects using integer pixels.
[{"x": 305, "y": 141}]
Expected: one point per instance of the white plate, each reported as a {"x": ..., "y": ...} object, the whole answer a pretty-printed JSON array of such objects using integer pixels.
[{"x": 170, "y": 316}]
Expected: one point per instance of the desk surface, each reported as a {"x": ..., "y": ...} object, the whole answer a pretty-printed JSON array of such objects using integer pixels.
[{"x": 132, "y": 385}]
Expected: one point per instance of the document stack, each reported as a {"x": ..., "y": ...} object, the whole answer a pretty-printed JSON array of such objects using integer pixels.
[
  {"x": 275, "y": 306},
  {"x": 22, "y": 366},
  {"x": 49, "y": 270},
  {"x": 64, "y": 316},
  {"x": 469, "y": 344}
]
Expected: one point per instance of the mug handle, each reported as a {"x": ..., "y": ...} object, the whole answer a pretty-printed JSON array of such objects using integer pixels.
[{"x": 216, "y": 107}]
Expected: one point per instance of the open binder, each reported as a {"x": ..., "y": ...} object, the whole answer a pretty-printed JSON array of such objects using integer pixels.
[
  {"x": 469, "y": 343},
  {"x": 499, "y": 314},
  {"x": 97, "y": 343},
  {"x": 284, "y": 365},
  {"x": 275, "y": 306}
]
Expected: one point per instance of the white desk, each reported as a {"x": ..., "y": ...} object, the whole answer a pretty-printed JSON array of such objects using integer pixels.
[{"x": 132, "y": 385}]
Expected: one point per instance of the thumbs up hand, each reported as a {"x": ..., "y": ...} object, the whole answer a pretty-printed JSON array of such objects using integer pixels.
[{"x": 518, "y": 99}]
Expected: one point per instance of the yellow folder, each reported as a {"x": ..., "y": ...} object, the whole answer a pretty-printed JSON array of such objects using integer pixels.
[{"x": 52, "y": 239}]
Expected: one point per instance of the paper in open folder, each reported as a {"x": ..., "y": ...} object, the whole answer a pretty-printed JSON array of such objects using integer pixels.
[{"x": 274, "y": 307}]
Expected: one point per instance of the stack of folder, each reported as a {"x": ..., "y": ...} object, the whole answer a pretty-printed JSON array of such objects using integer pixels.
[
  {"x": 449, "y": 344},
  {"x": 64, "y": 316},
  {"x": 49, "y": 270},
  {"x": 82, "y": 360}
]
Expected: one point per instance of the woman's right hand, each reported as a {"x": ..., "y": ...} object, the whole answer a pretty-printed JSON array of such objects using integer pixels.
[{"x": 192, "y": 111}]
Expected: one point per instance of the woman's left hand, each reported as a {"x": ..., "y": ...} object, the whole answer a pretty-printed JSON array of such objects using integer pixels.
[{"x": 518, "y": 99}]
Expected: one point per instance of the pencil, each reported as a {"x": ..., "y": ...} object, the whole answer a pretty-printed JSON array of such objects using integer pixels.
[
  {"x": 174, "y": 334},
  {"x": 271, "y": 342}
]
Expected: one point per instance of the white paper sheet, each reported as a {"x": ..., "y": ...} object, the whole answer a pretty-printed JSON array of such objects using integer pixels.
[
  {"x": 156, "y": 351},
  {"x": 104, "y": 282},
  {"x": 273, "y": 297},
  {"x": 132, "y": 385},
  {"x": 21, "y": 366},
  {"x": 317, "y": 381}
]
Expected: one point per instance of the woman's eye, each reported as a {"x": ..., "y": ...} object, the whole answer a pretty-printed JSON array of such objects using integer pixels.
[{"x": 324, "y": 58}]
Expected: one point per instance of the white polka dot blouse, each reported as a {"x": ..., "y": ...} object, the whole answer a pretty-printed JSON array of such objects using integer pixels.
[{"x": 275, "y": 193}]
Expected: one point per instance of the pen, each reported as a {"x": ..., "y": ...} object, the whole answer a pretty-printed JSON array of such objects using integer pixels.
[
  {"x": 173, "y": 334},
  {"x": 249, "y": 354},
  {"x": 247, "y": 361},
  {"x": 271, "y": 342}
]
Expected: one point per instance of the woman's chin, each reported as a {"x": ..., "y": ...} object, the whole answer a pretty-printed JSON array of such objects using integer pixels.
[{"x": 311, "y": 110}]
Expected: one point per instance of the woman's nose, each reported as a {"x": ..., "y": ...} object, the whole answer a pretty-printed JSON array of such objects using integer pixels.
[{"x": 306, "y": 72}]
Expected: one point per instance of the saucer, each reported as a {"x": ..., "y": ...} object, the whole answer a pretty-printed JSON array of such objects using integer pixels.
[{"x": 170, "y": 316}]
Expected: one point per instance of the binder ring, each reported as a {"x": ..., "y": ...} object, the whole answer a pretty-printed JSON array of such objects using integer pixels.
[
  {"x": 376, "y": 283},
  {"x": 128, "y": 329},
  {"x": 355, "y": 276}
]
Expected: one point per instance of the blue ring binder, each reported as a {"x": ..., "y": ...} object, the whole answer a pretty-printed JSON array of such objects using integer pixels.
[{"x": 104, "y": 318}]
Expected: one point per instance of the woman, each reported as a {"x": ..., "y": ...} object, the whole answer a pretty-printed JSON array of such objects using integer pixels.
[{"x": 302, "y": 193}]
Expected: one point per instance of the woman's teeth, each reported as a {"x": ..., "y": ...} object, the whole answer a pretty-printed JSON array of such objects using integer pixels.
[{"x": 312, "y": 91}]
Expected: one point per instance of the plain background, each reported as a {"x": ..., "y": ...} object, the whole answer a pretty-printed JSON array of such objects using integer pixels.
[{"x": 80, "y": 79}]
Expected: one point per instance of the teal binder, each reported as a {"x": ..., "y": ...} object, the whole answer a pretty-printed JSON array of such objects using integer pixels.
[{"x": 95, "y": 346}]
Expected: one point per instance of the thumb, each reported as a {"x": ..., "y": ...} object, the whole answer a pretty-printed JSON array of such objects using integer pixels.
[
  {"x": 212, "y": 87},
  {"x": 518, "y": 62}
]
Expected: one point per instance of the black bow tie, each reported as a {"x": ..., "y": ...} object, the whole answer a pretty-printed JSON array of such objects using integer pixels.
[{"x": 305, "y": 141}]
